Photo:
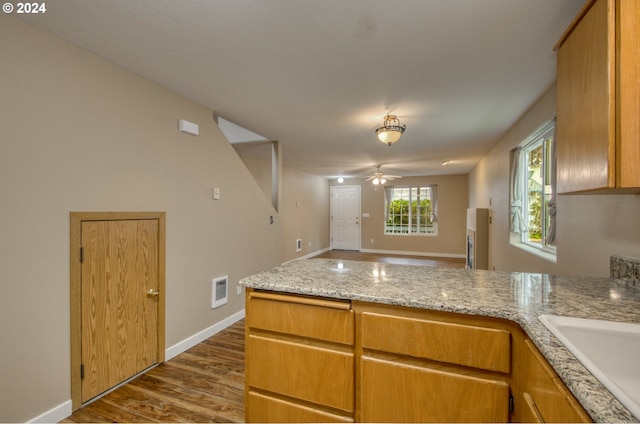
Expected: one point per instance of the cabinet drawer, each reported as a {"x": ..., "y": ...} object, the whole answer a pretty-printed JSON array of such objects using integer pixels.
[
  {"x": 266, "y": 409},
  {"x": 551, "y": 398},
  {"x": 396, "y": 392},
  {"x": 472, "y": 346},
  {"x": 310, "y": 373},
  {"x": 317, "y": 318}
]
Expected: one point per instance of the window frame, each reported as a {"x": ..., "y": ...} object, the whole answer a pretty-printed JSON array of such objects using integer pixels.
[
  {"x": 538, "y": 138},
  {"x": 432, "y": 196}
]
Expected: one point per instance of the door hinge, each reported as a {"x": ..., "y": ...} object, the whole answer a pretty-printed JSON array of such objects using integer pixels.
[
  {"x": 81, "y": 255},
  {"x": 81, "y": 371},
  {"x": 510, "y": 403}
]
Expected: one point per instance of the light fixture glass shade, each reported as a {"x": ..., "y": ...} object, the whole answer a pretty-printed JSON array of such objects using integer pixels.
[
  {"x": 375, "y": 181},
  {"x": 391, "y": 131}
]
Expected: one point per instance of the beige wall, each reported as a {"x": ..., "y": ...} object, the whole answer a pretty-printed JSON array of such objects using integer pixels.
[
  {"x": 78, "y": 133},
  {"x": 257, "y": 158},
  {"x": 590, "y": 228},
  {"x": 452, "y": 217},
  {"x": 304, "y": 212}
]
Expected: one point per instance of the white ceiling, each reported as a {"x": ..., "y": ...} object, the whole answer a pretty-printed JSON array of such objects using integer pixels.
[{"x": 320, "y": 75}]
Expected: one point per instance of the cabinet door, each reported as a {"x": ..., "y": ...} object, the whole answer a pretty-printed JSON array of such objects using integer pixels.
[
  {"x": 629, "y": 93},
  {"x": 549, "y": 398},
  {"x": 467, "y": 345},
  {"x": 267, "y": 409},
  {"x": 309, "y": 373},
  {"x": 316, "y": 318},
  {"x": 585, "y": 129},
  {"x": 398, "y": 392},
  {"x": 530, "y": 412}
]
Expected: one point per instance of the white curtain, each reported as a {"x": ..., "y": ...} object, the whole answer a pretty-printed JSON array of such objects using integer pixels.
[
  {"x": 518, "y": 225},
  {"x": 388, "y": 196},
  {"x": 551, "y": 232},
  {"x": 433, "y": 198}
]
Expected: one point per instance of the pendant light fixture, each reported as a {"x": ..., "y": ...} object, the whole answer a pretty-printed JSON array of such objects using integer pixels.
[{"x": 391, "y": 130}]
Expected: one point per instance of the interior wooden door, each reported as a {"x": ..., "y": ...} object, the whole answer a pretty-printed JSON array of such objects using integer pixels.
[{"x": 119, "y": 301}]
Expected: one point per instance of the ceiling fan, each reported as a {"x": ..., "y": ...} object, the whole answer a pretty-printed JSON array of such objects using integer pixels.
[{"x": 378, "y": 178}]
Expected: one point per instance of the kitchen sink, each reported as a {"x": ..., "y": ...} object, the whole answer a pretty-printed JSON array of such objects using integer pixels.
[{"x": 610, "y": 350}]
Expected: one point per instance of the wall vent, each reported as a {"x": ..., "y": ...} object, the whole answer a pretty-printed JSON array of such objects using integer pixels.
[
  {"x": 298, "y": 245},
  {"x": 219, "y": 291}
]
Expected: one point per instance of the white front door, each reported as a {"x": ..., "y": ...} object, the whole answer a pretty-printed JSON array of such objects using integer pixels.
[{"x": 345, "y": 217}]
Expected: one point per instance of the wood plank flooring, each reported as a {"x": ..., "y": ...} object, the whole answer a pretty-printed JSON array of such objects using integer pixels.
[
  {"x": 202, "y": 384},
  {"x": 205, "y": 383}
]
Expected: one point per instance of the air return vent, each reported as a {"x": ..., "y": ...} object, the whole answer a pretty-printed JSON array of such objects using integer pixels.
[{"x": 219, "y": 291}]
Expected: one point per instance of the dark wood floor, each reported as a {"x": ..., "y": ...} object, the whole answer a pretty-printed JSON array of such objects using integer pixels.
[
  {"x": 205, "y": 383},
  {"x": 202, "y": 384}
]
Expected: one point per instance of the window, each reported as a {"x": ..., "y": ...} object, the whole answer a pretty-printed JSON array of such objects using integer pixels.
[
  {"x": 411, "y": 210},
  {"x": 533, "y": 191}
]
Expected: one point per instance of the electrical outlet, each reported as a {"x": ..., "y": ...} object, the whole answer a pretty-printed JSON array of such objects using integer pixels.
[{"x": 238, "y": 289}]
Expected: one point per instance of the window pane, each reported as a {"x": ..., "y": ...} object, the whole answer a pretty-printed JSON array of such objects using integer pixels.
[
  {"x": 534, "y": 180},
  {"x": 409, "y": 210},
  {"x": 535, "y": 186}
]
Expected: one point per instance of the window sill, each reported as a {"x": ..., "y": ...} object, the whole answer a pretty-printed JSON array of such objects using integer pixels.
[
  {"x": 546, "y": 255},
  {"x": 412, "y": 234}
]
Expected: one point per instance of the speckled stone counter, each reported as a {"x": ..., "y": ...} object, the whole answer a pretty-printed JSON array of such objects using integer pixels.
[{"x": 519, "y": 297}]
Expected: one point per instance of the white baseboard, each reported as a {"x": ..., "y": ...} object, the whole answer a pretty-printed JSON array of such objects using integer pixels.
[
  {"x": 310, "y": 255},
  {"x": 201, "y": 336},
  {"x": 55, "y": 414},
  {"x": 400, "y": 252}
]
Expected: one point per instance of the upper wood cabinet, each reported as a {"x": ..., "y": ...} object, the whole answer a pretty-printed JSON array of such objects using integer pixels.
[{"x": 598, "y": 122}]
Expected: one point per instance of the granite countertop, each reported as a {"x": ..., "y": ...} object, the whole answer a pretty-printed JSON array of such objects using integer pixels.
[{"x": 519, "y": 297}]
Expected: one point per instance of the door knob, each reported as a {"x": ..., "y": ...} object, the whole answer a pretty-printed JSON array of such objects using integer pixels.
[{"x": 152, "y": 293}]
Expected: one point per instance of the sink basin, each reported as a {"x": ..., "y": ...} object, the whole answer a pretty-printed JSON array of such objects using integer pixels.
[{"x": 610, "y": 350}]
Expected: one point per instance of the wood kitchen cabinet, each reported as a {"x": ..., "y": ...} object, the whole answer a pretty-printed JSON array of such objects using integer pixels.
[
  {"x": 311, "y": 359},
  {"x": 598, "y": 87},
  {"x": 544, "y": 396},
  {"x": 422, "y": 366},
  {"x": 299, "y": 359}
]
